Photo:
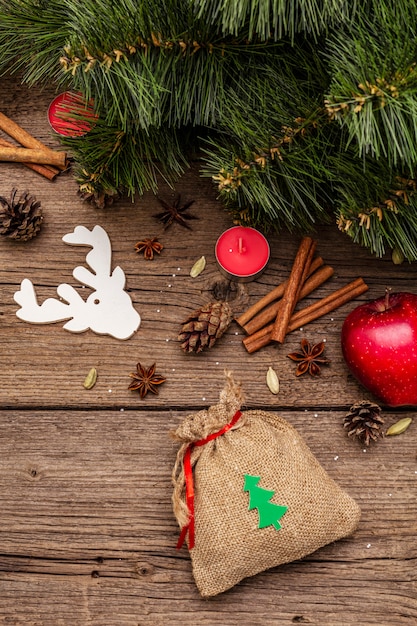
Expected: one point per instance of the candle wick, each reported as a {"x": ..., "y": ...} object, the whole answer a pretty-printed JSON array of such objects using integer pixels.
[{"x": 240, "y": 245}]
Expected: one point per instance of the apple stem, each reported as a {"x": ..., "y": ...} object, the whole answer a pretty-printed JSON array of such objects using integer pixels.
[{"x": 387, "y": 293}]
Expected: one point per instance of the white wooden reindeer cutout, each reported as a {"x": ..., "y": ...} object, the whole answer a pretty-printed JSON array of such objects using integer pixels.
[{"x": 107, "y": 311}]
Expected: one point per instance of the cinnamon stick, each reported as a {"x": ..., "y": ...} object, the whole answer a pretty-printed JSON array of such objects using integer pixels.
[
  {"x": 270, "y": 313},
  {"x": 22, "y": 136},
  {"x": 29, "y": 155},
  {"x": 48, "y": 171},
  {"x": 274, "y": 294},
  {"x": 258, "y": 340},
  {"x": 329, "y": 303},
  {"x": 310, "y": 313},
  {"x": 297, "y": 277}
]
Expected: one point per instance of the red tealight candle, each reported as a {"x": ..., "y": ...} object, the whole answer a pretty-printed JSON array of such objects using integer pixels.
[
  {"x": 242, "y": 253},
  {"x": 65, "y": 112}
]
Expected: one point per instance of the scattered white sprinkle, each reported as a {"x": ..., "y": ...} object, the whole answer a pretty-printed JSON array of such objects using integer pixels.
[
  {"x": 109, "y": 390},
  {"x": 237, "y": 332},
  {"x": 173, "y": 369},
  {"x": 217, "y": 363},
  {"x": 332, "y": 319},
  {"x": 169, "y": 285},
  {"x": 301, "y": 329},
  {"x": 316, "y": 414},
  {"x": 364, "y": 450},
  {"x": 203, "y": 399},
  {"x": 178, "y": 269},
  {"x": 336, "y": 458},
  {"x": 82, "y": 286},
  {"x": 167, "y": 340},
  {"x": 390, "y": 494},
  {"x": 173, "y": 275},
  {"x": 122, "y": 410},
  {"x": 324, "y": 340},
  {"x": 368, "y": 545},
  {"x": 158, "y": 310}
]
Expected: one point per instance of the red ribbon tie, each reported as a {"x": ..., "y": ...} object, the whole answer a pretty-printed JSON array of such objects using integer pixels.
[{"x": 189, "y": 482}]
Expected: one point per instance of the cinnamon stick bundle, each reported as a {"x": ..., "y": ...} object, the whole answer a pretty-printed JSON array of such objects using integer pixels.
[
  {"x": 298, "y": 275},
  {"x": 20, "y": 134},
  {"x": 274, "y": 294},
  {"x": 273, "y": 310},
  {"x": 45, "y": 155},
  {"x": 310, "y": 313}
]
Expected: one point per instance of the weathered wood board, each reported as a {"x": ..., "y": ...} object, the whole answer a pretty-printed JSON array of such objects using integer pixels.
[{"x": 87, "y": 533}]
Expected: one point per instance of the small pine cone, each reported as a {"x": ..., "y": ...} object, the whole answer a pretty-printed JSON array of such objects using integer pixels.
[
  {"x": 204, "y": 326},
  {"x": 20, "y": 218},
  {"x": 364, "y": 421},
  {"x": 99, "y": 199}
]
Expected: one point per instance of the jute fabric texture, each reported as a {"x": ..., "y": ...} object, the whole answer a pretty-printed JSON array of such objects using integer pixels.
[{"x": 229, "y": 546}]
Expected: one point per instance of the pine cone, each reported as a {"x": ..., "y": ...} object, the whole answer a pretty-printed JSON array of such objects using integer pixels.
[
  {"x": 204, "y": 326},
  {"x": 99, "y": 199},
  {"x": 20, "y": 218},
  {"x": 364, "y": 421}
]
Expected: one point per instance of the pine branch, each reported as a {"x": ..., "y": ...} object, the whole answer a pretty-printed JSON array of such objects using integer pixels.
[
  {"x": 270, "y": 167},
  {"x": 32, "y": 35},
  {"x": 276, "y": 19},
  {"x": 374, "y": 86},
  {"x": 308, "y": 107},
  {"x": 387, "y": 219},
  {"x": 109, "y": 159},
  {"x": 146, "y": 63}
]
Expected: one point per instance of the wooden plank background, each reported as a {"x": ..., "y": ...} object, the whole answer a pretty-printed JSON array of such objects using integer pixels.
[{"x": 87, "y": 533}]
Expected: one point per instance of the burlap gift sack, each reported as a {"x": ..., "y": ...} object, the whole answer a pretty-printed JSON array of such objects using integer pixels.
[{"x": 223, "y": 452}]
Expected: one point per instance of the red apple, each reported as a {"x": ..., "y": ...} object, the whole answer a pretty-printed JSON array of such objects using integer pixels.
[{"x": 379, "y": 345}]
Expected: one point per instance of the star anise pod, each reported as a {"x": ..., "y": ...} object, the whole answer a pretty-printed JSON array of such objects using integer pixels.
[
  {"x": 175, "y": 213},
  {"x": 309, "y": 358},
  {"x": 145, "y": 379},
  {"x": 148, "y": 247}
]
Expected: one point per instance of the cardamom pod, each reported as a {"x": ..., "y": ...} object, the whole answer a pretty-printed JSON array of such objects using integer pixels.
[
  {"x": 272, "y": 381},
  {"x": 397, "y": 256},
  {"x": 90, "y": 379},
  {"x": 198, "y": 267},
  {"x": 399, "y": 427}
]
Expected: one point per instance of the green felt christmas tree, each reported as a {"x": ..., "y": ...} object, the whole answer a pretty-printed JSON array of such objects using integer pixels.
[
  {"x": 301, "y": 111},
  {"x": 259, "y": 498}
]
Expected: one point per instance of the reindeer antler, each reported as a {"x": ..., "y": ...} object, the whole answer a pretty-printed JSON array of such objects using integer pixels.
[
  {"x": 51, "y": 310},
  {"x": 99, "y": 258}
]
